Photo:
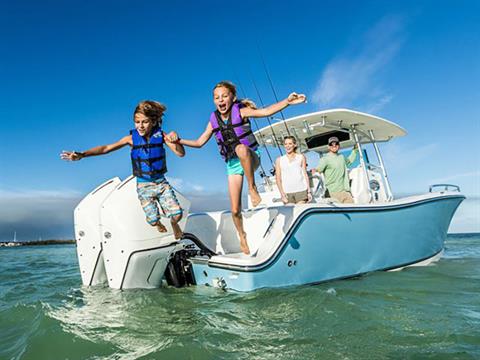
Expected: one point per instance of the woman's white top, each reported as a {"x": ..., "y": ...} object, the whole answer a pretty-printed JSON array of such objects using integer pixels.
[{"x": 293, "y": 178}]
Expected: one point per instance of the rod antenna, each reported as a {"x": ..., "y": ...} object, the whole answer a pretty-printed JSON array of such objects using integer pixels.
[
  {"x": 255, "y": 122},
  {"x": 271, "y": 84}
]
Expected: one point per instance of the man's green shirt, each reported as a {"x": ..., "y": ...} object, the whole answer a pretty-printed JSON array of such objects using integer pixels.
[{"x": 334, "y": 167}]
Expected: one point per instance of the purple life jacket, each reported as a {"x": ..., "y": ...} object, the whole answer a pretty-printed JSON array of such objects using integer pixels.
[{"x": 233, "y": 132}]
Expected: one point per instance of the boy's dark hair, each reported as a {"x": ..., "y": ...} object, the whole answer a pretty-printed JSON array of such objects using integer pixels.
[{"x": 151, "y": 109}]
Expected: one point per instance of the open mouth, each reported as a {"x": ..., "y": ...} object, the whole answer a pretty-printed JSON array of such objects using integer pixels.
[{"x": 222, "y": 107}]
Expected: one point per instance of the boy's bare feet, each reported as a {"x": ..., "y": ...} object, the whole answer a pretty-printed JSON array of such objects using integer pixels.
[
  {"x": 255, "y": 197},
  {"x": 160, "y": 227},
  {"x": 177, "y": 232},
  {"x": 243, "y": 244}
]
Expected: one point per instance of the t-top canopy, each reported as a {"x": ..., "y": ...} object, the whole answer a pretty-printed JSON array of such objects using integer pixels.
[{"x": 313, "y": 130}]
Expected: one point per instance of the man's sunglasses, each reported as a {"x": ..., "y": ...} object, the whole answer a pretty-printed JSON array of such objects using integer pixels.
[{"x": 333, "y": 144}]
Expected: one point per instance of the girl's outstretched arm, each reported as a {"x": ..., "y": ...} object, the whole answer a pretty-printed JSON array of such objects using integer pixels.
[
  {"x": 292, "y": 99},
  {"x": 202, "y": 140},
  {"x": 97, "y": 150},
  {"x": 177, "y": 148}
]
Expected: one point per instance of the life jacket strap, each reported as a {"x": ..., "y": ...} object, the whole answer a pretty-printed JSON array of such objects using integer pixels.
[
  {"x": 151, "y": 160},
  {"x": 149, "y": 173},
  {"x": 146, "y": 146}
]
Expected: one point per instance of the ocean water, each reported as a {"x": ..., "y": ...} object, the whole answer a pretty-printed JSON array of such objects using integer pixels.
[{"x": 428, "y": 312}]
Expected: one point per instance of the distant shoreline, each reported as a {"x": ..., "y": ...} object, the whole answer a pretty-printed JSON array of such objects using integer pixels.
[
  {"x": 35, "y": 243},
  {"x": 63, "y": 242}
]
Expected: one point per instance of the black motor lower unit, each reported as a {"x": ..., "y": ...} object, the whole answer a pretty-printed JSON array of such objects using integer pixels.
[{"x": 179, "y": 271}]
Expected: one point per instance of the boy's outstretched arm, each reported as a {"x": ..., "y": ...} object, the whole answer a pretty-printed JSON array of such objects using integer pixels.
[
  {"x": 97, "y": 150},
  {"x": 202, "y": 140},
  {"x": 292, "y": 99},
  {"x": 173, "y": 144}
]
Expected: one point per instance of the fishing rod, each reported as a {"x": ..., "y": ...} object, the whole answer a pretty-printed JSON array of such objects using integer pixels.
[
  {"x": 268, "y": 118},
  {"x": 255, "y": 121},
  {"x": 271, "y": 84}
]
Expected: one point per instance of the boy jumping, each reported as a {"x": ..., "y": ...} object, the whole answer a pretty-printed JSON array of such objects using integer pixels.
[{"x": 148, "y": 163}]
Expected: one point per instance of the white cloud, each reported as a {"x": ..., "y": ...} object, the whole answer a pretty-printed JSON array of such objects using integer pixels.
[
  {"x": 413, "y": 167},
  {"x": 49, "y": 213},
  {"x": 470, "y": 174},
  {"x": 177, "y": 183},
  {"x": 186, "y": 186},
  {"x": 356, "y": 74},
  {"x": 467, "y": 217},
  {"x": 31, "y": 193},
  {"x": 198, "y": 188},
  {"x": 33, "y": 214},
  {"x": 378, "y": 104},
  {"x": 403, "y": 157}
]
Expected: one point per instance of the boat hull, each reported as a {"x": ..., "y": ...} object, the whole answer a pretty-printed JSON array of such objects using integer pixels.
[{"x": 325, "y": 244}]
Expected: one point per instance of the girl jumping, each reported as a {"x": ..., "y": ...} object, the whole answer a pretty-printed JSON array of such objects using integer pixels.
[{"x": 237, "y": 144}]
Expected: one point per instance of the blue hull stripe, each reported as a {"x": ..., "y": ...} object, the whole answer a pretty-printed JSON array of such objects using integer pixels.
[{"x": 303, "y": 216}]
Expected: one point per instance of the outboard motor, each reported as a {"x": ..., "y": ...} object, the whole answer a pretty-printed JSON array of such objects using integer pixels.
[
  {"x": 179, "y": 271},
  {"x": 114, "y": 242},
  {"x": 88, "y": 234}
]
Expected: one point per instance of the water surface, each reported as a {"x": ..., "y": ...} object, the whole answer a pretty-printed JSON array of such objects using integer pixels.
[{"x": 419, "y": 313}]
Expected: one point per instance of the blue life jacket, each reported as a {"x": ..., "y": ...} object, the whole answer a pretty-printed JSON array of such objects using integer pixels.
[{"x": 148, "y": 157}]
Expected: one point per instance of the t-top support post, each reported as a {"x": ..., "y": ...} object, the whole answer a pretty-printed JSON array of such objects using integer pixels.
[{"x": 380, "y": 160}]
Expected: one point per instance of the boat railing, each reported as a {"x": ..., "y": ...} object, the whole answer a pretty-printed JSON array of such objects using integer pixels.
[
  {"x": 319, "y": 190},
  {"x": 445, "y": 187}
]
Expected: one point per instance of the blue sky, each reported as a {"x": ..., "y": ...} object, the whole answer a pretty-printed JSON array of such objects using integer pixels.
[{"x": 72, "y": 73}]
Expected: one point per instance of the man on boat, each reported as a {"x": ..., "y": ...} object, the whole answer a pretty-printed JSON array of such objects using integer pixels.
[{"x": 334, "y": 167}]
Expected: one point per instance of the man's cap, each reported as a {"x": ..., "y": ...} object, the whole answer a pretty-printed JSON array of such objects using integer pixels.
[{"x": 333, "y": 139}]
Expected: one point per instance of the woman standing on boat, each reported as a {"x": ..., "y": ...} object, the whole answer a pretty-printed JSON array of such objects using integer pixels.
[
  {"x": 291, "y": 174},
  {"x": 237, "y": 144}
]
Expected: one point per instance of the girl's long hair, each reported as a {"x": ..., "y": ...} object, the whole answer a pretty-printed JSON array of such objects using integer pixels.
[{"x": 232, "y": 88}]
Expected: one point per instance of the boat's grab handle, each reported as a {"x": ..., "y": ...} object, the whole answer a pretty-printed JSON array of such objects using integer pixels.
[
  {"x": 445, "y": 186},
  {"x": 269, "y": 227}
]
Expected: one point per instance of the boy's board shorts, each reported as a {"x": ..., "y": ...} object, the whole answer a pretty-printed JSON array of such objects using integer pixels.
[
  {"x": 151, "y": 192},
  {"x": 234, "y": 166}
]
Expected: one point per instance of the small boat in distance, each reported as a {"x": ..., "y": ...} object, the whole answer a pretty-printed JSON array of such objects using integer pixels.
[{"x": 291, "y": 244}]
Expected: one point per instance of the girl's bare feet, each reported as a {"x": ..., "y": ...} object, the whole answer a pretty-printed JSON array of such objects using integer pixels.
[
  {"x": 255, "y": 197},
  {"x": 243, "y": 244}
]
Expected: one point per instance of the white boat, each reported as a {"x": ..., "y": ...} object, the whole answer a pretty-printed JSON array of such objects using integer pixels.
[{"x": 291, "y": 244}]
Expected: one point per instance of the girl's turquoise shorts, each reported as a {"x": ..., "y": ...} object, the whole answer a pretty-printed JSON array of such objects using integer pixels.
[{"x": 234, "y": 167}]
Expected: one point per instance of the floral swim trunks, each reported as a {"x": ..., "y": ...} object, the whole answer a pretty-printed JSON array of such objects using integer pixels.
[{"x": 149, "y": 192}]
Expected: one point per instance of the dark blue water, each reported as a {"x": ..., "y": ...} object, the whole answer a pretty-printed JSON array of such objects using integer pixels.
[{"x": 428, "y": 312}]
